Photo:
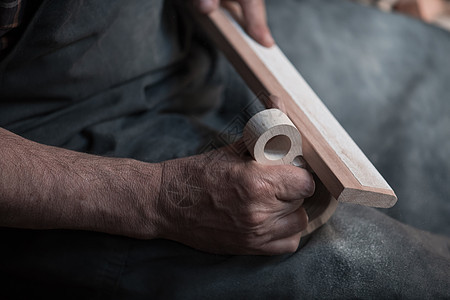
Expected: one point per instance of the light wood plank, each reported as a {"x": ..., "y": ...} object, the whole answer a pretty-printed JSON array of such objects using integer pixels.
[{"x": 339, "y": 163}]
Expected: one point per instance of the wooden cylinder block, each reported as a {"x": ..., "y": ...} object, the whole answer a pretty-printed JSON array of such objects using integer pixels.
[{"x": 272, "y": 139}]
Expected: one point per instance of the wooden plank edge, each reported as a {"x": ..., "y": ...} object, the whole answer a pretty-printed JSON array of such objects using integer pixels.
[{"x": 369, "y": 196}]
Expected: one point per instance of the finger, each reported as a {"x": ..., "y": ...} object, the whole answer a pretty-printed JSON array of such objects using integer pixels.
[
  {"x": 282, "y": 246},
  {"x": 254, "y": 12},
  {"x": 290, "y": 225},
  {"x": 206, "y": 6},
  {"x": 292, "y": 183}
]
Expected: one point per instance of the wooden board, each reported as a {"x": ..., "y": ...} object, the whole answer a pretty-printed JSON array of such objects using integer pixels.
[{"x": 339, "y": 163}]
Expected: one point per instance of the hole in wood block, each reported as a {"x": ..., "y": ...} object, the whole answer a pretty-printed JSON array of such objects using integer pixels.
[
  {"x": 299, "y": 161},
  {"x": 277, "y": 147}
]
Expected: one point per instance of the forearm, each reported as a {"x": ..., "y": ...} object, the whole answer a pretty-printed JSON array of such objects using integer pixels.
[
  {"x": 217, "y": 202},
  {"x": 45, "y": 187}
]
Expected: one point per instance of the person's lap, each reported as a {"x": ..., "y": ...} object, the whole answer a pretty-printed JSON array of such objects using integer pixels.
[{"x": 360, "y": 252}]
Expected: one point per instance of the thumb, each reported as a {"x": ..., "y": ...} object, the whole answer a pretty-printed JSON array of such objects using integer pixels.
[
  {"x": 255, "y": 21},
  {"x": 206, "y": 6}
]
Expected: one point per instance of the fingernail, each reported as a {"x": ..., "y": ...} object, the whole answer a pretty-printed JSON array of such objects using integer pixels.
[{"x": 268, "y": 40}]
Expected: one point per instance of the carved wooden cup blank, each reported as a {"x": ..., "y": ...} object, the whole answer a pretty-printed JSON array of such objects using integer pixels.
[{"x": 272, "y": 139}]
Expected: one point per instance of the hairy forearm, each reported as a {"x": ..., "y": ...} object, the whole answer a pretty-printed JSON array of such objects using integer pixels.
[
  {"x": 217, "y": 201},
  {"x": 45, "y": 187}
]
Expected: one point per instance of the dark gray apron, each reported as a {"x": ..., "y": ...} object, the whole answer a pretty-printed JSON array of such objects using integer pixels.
[{"x": 134, "y": 79}]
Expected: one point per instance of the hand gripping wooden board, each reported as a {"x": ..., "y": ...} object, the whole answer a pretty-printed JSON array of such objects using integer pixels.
[{"x": 340, "y": 165}]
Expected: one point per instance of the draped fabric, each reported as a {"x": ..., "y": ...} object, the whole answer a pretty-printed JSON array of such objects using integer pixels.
[{"x": 138, "y": 79}]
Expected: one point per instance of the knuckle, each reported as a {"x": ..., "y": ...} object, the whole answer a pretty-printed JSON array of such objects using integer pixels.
[
  {"x": 254, "y": 221},
  {"x": 255, "y": 233},
  {"x": 255, "y": 185},
  {"x": 251, "y": 241}
]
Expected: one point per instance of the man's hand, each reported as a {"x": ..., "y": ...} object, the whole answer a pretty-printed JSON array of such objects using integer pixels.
[
  {"x": 216, "y": 202},
  {"x": 254, "y": 17},
  {"x": 221, "y": 203}
]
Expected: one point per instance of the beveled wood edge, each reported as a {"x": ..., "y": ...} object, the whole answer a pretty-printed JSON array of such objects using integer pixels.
[{"x": 369, "y": 196}]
